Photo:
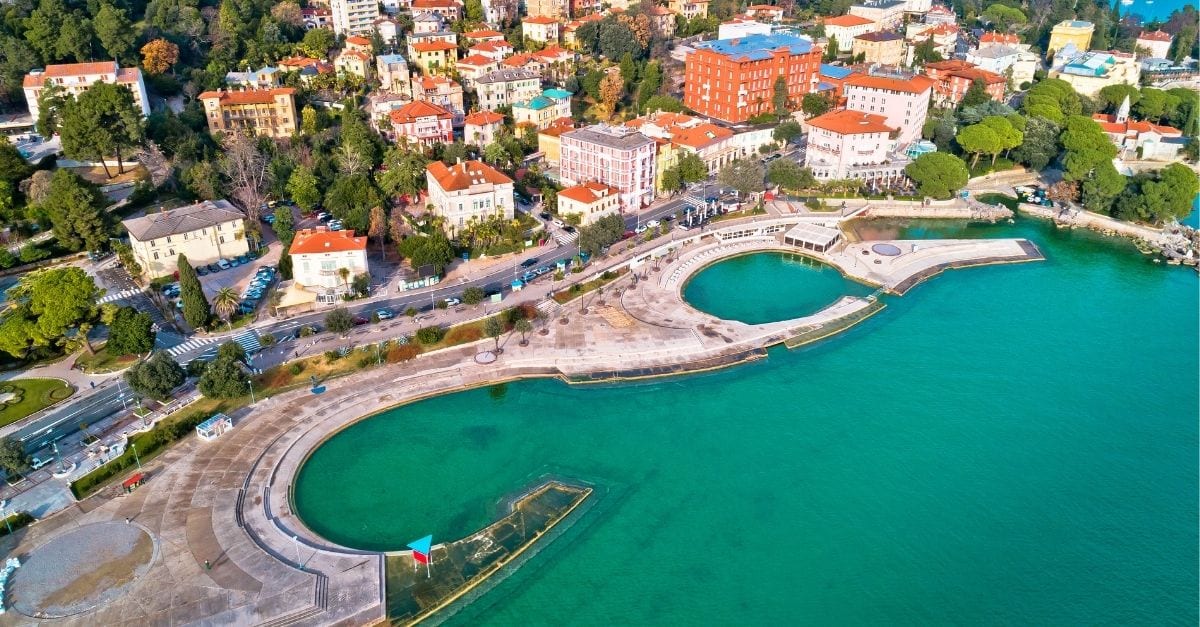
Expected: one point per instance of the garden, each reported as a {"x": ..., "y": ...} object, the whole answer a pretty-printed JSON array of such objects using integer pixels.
[{"x": 21, "y": 397}]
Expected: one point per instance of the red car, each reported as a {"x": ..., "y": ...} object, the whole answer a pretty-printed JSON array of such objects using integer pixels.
[
  {"x": 628, "y": 234},
  {"x": 359, "y": 321}
]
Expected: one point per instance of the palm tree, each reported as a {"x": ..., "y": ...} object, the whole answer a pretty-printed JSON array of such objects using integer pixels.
[
  {"x": 225, "y": 302},
  {"x": 345, "y": 274}
]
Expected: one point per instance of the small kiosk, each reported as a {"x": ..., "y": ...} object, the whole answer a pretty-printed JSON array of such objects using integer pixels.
[
  {"x": 133, "y": 483},
  {"x": 214, "y": 427}
]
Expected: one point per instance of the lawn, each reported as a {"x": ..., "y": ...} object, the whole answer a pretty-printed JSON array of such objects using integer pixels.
[
  {"x": 30, "y": 395},
  {"x": 102, "y": 362}
]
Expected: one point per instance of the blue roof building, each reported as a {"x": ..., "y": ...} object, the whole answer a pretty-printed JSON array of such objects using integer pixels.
[{"x": 756, "y": 47}]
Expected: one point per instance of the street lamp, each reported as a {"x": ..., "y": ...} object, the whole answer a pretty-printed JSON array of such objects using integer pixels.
[
  {"x": 133, "y": 447},
  {"x": 4, "y": 513},
  {"x": 251, "y": 384}
]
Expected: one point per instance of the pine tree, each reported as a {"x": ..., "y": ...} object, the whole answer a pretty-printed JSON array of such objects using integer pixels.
[{"x": 196, "y": 310}]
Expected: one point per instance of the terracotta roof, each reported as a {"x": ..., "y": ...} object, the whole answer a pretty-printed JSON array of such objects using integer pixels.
[
  {"x": 418, "y": 109},
  {"x": 963, "y": 69},
  {"x": 763, "y": 7},
  {"x": 316, "y": 241},
  {"x": 551, "y": 52},
  {"x": 435, "y": 83},
  {"x": 475, "y": 59},
  {"x": 482, "y": 118},
  {"x": 121, "y": 75},
  {"x": 433, "y": 46},
  {"x": 483, "y": 34},
  {"x": 880, "y": 36},
  {"x": 247, "y": 96},
  {"x": 518, "y": 60},
  {"x": 700, "y": 135},
  {"x": 358, "y": 41},
  {"x": 659, "y": 10},
  {"x": 942, "y": 29},
  {"x": 999, "y": 38},
  {"x": 357, "y": 54},
  {"x": 1157, "y": 35},
  {"x": 461, "y": 176},
  {"x": 62, "y": 70},
  {"x": 847, "y": 122},
  {"x": 1133, "y": 127},
  {"x": 589, "y": 192},
  {"x": 847, "y": 20},
  {"x": 492, "y": 46},
  {"x": 434, "y": 4},
  {"x": 539, "y": 19},
  {"x": 914, "y": 85}
]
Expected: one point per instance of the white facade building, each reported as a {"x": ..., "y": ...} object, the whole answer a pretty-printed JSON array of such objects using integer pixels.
[
  {"x": 354, "y": 17},
  {"x": 75, "y": 78},
  {"x": 903, "y": 99},
  {"x": 471, "y": 191},
  {"x": 614, "y": 155},
  {"x": 849, "y": 144},
  {"x": 325, "y": 262},
  {"x": 203, "y": 232}
]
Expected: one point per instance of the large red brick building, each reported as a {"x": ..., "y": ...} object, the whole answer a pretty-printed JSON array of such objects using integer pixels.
[
  {"x": 734, "y": 79},
  {"x": 952, "y": 79}
]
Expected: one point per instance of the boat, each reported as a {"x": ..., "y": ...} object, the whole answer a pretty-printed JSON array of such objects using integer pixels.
[{"x": 1126, "y": 2}]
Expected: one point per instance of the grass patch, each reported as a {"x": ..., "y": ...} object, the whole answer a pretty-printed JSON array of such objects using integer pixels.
[
  {"x": 999, "y": 199},
  {"x": 985, "y": 166},
  {"x": 462, "y": 334},
  {"x": 15, "y": 521},
  {"x": 579, "y": 289},
  {"x": 29, "y": 396},
  {"x": 101, "y": 362}
]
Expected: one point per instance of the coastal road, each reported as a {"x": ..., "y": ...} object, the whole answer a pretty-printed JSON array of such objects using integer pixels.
[{"x": 103, "y": 402}]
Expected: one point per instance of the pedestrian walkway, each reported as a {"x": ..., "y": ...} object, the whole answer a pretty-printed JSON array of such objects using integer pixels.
[
  {"x": 249, "y": 342},
  {"x": 564, "y": 238},
  {"x": 122, "y": 295},
  {"x": 190, "y": 345}
]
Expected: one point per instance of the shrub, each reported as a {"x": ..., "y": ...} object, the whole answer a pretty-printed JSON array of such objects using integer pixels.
[
  {"x": 462, "y": 335},
  {"x": 296, "y": 368},
  {"x": 473, "y": 295},
  {"x": 397, "y": 354},
  {"x": 16, "y": 521},
  {"x": 196, "y": 367},
  {"x": 365, "y": 362},
  {"x": 430, "y": 335},
  {"x": 411, "y": 312},
  {"x": 441, "y": 304},
  {"x": 267, "y": 339},
  {"x": 332, "y": 356}
]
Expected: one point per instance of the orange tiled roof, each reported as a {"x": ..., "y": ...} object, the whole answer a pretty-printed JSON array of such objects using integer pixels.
[
  {"x": 475, "y": 59},
  {"x": 847, "y": 122},
  {"x": 847, "y": 20},
  {"x": 999, "y": 38},
  {"x": 539, "y": 19},
  {"x": 492, "y": 46},
  {"x": 358, "y": 41},
  {"x": 461, "y": 176},
  {"x": 313, "y": 241},
  {"x": 962, "y": 69},
  {"x": 434, "y": 4},
  {"x": 700, "y": 135},
  {"x": 483, "y": 118},
  {"x": 483, "y": 34},
  {"x": 77, "y": 69},
  {"x": 433, "y": 46},
  {"x": 356, "y": 54},
  {"x": 519, "y": 60},
  {"x": 914, "y": 85},
  {"x": 589, "y": 192},
  {"x": 247, "y": 96},
  {"x": 418, "y": 109},
  {"x": 1157, "y": 35}
]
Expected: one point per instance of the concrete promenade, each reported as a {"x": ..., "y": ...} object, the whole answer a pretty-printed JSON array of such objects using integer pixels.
[{"x": 228, "y": 502}]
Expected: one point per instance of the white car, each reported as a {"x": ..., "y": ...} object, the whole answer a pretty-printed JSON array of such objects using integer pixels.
[
  {"x": 559, "y": 223},
  {"x": 653, "y": 224},
  {"x": 641, "y": 229},
  {"x": 453, "y": 302}
]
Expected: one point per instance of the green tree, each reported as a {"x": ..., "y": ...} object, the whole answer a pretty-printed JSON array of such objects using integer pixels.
[
  {"x": 43, "y": 26},
  {"x": 691, "y": 168},
  {"x": 131, "y": 332},
  {"x": 13, "y": 458},
  {"x": 628, "y": 68},
  {"x": 350, "y": 199},
  {"x": 1102, "y": 188},
  {"x": 102, "y": 122},
  {"x": 789, "y": 129},
  {"x": 224, "y": 378},
  {"x": 196, "y": 310},
  {"x": 31, "y": 252},
  {"x": 317, "y": 43},
  {"x": 1003, "y": 16},
  {"x": 926, "y": 52},
  {"x": 225, "y": 302},
  {"x": 650, "y": 84},
  {"x": 284, "y": 225},
  {"x": 116, "y": 33},
  {"x": 979, "y": 140},
  {"x": 50, "y": 106},
  {"x": 1160, "y": 196},
  {"x": 303, "y": 187},
  {"x": 1112, "y": 96},
  {"x": 405, "y": 173},
  {"x": 1040, "y": 144},
  {"x": 473, "y": 9},
  {"x": 662, "y": 103},
  {"x": 814, "y": 104},
  {"x": 494, "y": 328},
  {"x": 789, "y": 175},
  {"x": 76, "y": 211},
  {"x": 600, "y": 234},
  {"x": 339, "y": 320},
  {"x": 976, "y": 95},
  {"x": 524, "y": 327},
  {"x": 938, "y": 174},
  {"x": 1152, "y": 105},
  {"x": 831, "y": 50},
  {"x": 156, "y": 377},
  {"x": 13, "y": 167},
  {"x": 473, "y": 295},
  {"x": 1008, "y": 135},
  {"x": 433, "y": 249},
  {"x": 1085, "y": 147},
  {"x": 744, "y": 175},
  {"x": 43, "y": 305},
  {"x": 231, "y": 351},
  {"x": 779, "y": 97}
]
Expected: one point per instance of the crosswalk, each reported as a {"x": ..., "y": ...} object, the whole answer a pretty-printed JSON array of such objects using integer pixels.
[
  {"x": 110, "y": 298},
  {"x": 249, "y": 342},
  {"x": 564, "y": 238},
  {"x": 190, "y": 345}
]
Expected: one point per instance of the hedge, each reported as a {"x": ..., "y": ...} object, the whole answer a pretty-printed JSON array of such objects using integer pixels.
[
  {"x": 16, "y": 521},
  {"x": 148, "y": 443}
]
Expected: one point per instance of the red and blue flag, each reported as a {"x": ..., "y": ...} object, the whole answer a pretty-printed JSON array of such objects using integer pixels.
[{"x": 422, "y": 549}]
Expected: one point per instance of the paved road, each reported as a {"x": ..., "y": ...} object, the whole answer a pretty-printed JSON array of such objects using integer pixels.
[{"x": 91, "y": 409}]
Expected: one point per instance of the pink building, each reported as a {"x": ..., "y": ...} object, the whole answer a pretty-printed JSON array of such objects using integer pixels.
[
  {"x": 849, "y": 144},
  {"x": 614, "y": 155},
  {"x": 902, "y": 99},
  {"x": 423, "y": 124}
]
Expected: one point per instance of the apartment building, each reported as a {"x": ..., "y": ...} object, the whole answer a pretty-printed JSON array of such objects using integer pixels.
[
  {"x": 550, "y": 140},
  {"x": 75, "y": 78},
  {"x": 849, "y": 144},
  {"x": 393, "y": 73},
  {"x": 768, "y": 12},
  {"x": 902, "y": 98},
  {"x": 540, "y": 28},
  {"x": 591, "y": 201},
  {"x": 884, "y": 48},
  {"x": 433, "y": 57},
  {"x": 553, "y": 9},
  {"x": 421, "y": 123},
  {"x": 264, "y": 78},
  {"x": 889, "y": 14},
  {"x": 1089, "y": 72},
  {"x": 325, "y": 262},
  {"x": 450, "y": 10},
  {"x": 495, "y": 50},
  {"x": 689, "y": 9},
  {"x": 1013, "y": 63},
  {"x": 842, "y": 30},
  {"x": 1077, "y": 32},
  {"x": 482, "y": 127},
  {"x": 733, "y": 80},
  {"x": 614, "y": 155},
  {"x": 204, "y": 232},
  {"x": 473, "y": 66},
  {"x": 952, "y": 79},
  {"x": 269, "y": 112},
  {"x": 466, "y": 192},
  {"x": 1157, "y": 43},
  {"x": 505, "y": 87},
  {"x": 354, "y": 17},
  {"x": 542, "y": 111},
  {"x": 713, "y": 144},
  {"x": 738, "y": 26},
  {"x": 442, "y": 92}
]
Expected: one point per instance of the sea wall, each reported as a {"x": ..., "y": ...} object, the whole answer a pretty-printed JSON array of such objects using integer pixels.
[{"x": 1094, "y": 221}]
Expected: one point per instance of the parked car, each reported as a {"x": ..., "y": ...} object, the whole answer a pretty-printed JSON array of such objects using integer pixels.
[
  {"x": 545, "y": 215},
  {"x": 529, "y": 263},
  {"x": 202, "y": 270},
  {"x": 653, "y": 224},
  {"x": 359, "y": 321},
  {"x": 244, "y": 258},
  {"x": 214, "y": 268},
  {"x": 569, "y": 229},
  {"x": 453, "y": 302},
  {"x": 385, "y": 313},
  {"x": 559, "y": 223},
  {"x": 682, "y": 227},
  {"x": 641, "y": 229}
]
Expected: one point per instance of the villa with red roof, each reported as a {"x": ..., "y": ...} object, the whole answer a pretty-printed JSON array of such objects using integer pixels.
[
  {"x": 1157, "y": 43},
  {"x": 851, "y": 144},
  {"x": 325, "y": 262},
  {"x": 842, "y": 30},
  {"x": 590, "y": 200},
  {"x": 480, "y": 128},
  {"x": 953, "y": 78},
  {"x": 540, "y": 28},
  {"x": 468, "y": 192},
  {"x": 422, "y": 124},
  {"x": 75, "y": 78},
  {"x": 1138, "y": 139}
]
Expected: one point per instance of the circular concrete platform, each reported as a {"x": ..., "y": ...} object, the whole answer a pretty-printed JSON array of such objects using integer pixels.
[
  {"x": 887, "y": 250},
  {"x": 81, "y": 569}
]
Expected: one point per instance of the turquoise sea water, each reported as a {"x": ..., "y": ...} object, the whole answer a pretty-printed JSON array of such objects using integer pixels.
[
  {"x": 1004, "y": 445},
  {"x": 1155, "y": 9},
  {"x": 734, "y": 289}
]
